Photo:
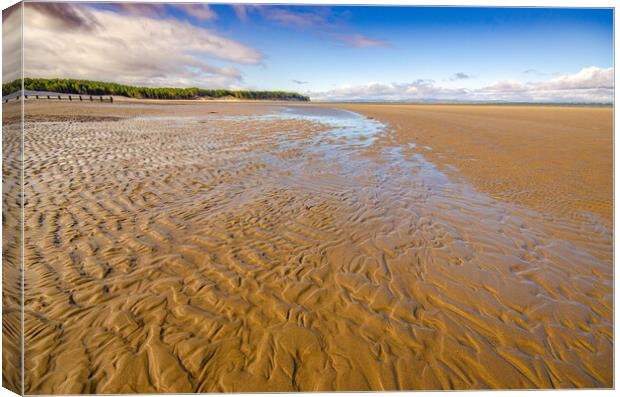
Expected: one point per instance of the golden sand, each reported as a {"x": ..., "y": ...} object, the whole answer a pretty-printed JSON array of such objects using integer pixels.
[
  {"x": 217, "y": 247},
  {"x": 558, "y": 160},
  {"x": 11, "y": 246}
]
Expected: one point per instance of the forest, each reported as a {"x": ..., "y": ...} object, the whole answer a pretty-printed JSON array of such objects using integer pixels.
[{"x": 89, "y": 87}]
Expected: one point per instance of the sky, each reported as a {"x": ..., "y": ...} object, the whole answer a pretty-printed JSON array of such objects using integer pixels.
[{"x": 329, "y": 52}]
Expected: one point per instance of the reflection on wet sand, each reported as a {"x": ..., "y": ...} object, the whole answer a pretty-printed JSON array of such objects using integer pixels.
[{"x": 265, "y": 248}]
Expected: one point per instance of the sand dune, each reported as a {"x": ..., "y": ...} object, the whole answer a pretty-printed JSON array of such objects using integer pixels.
[{"x": 172, "y": 249}]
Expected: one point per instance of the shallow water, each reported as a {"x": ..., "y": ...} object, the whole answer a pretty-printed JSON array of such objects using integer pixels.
[{"x": 301, "y": 249}]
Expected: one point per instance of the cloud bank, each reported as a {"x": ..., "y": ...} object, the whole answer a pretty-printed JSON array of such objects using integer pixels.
[
  {"x": 132, "y": 44},
  {"x": 590, "y": 84}
]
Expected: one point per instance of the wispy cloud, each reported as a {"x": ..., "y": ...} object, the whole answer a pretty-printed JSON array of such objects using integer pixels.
[
  {"x": 533, "y": 71},
  {"x": 295, "y": 18},
  {"x": 299, "y": 82},
  {"x": 361, "y": 41},
  {"x": 242, "y": 11},
  {"x": 298, "y": 17},
  {"x": 143, "y": 9},
  {"x": 127, "y": 47},
  {"x": 460, "y": 76},
  {"x": 590, "y": 84},
  {"x": 319, "y": 20},
  {"x": 201, "y": 12}
]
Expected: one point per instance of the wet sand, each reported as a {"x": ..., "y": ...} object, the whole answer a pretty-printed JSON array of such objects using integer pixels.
[
  {"x": 11, "y": 247},
  {"x": 558, "y": 160},
  {"x": 256, "y": 247}
]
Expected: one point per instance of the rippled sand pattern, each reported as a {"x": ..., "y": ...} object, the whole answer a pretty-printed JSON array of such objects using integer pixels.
[
  {"x": 281, "y": 253},
  {"x": 11, "y": 247}
]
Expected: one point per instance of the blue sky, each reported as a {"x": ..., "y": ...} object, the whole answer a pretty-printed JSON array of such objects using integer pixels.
[
  {"x": 346, "y": 52},
  {"x": 487, "y": 44}
]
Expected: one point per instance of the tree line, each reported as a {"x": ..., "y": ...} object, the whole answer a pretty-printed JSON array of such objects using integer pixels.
[{"x": 89, "y": 87}]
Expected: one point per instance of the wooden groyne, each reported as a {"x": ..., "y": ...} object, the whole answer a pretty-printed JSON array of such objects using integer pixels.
[{"x": 60, "y": 97}]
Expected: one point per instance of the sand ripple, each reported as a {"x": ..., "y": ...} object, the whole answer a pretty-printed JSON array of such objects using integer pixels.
[
  {"x": 203, "y": 254},
  {"x": 11, "y": 247}
]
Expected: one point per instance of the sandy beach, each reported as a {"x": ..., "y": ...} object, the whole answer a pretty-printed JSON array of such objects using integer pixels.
[
  {"x": 11, "y": 245},
  {"x": 557, "y": 160},
  {"x": 227, "y": 247}
]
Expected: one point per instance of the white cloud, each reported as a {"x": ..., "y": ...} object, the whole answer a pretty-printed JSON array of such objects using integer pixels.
[
  {"x": 134, "y": 49},
  {"x": 587, "y": 78},
  {"x": 591, "y": 84}
]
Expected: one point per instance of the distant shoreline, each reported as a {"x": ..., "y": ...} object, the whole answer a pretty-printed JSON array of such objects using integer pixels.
[
  {"x": 524, "y": 104},
  {"x": 123, "y": 99},
  {"x": 65, "y": 87}
]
